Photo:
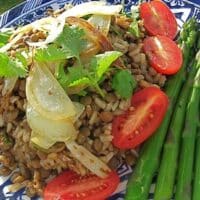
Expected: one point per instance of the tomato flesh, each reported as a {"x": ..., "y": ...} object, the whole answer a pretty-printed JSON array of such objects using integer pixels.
[
  {"x": 148, "y": 109},
  {"x": 158, "y": 19},
  {"x": 164, "y": 55},
  {"x": 71, "y": 186}
]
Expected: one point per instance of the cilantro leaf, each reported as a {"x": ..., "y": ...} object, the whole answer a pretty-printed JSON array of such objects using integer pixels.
[
  {"x": 124, "y": 83},
  {"x": 4, "y": 37},
  {"x": 71, "y": 40},
  {"x": 101, "y": 63},
  {"x": 82, "y": 77},
  {"x": 61, "y": 76},
  {"x": 77, "y": 76},
  {"x": 21, "y": 58},
  {"x": 10, "y": 67},
  {"x": 50, "y": 54},
  {"x": 134, "y": 29},
  {"x": 70, "y": 43}
]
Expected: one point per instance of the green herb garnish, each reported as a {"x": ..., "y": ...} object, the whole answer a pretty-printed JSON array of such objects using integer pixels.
[
  {"x": 70, "y": 43},
  {"x": 124, "y": 83},
  {"x": 10, "y": 67},
  {"x": 89, "y": 75},
  {"x": 134, "y": 29},
  {"x": 4, "y": 37}
]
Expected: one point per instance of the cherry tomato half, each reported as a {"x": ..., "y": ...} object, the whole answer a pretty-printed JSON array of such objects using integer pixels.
[
  {"x": 148, "y": 109},
  {"x": 158, "y": 19},
  {"x": 163, "y": 53},
  {"x": 71, "y": 186}
]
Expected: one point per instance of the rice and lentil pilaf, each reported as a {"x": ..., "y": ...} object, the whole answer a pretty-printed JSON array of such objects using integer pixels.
[{"x": 35, "y": 166}]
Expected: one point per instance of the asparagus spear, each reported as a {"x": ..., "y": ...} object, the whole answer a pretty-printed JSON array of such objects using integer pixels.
[
  {"x": 168, "y": 167},
  {"x": 196, "y": 185},
  {"x": 185, "y": 168},
  {"x": 139, "y": 183}
]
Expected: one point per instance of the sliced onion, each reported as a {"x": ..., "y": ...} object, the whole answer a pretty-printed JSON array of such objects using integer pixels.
[
  {"x": 41, "y": 142},
  {"x": 93, "y": 7},
  {"x": 101, "y": 22},
  {"x": 54, "y": 30},
  {"x": 95, "y": 36},
  {"x": 91, "y": 50},
  {"x": 46, "y": 95},
  {"x": 79, "y": 108},
  {"x": 91, "y": 162},
  {"x": 9, "y": 84},
  {"x": 49, "y": 129},
  {"x": 91, "y": 32}
]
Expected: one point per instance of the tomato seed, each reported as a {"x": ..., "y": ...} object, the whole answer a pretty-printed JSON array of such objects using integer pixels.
[
  {"x": 151, "y": 116},
  {"x": 137, "y": 132},
  {"x": 131, "y": 108}
]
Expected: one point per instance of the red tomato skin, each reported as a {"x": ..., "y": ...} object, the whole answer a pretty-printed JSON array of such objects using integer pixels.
[
  {"x": 71, "y": 186},
  {"x": 158, "y": 19},
  {"x": 128, "y": 139},
  {"x": 167, "y": 60}
]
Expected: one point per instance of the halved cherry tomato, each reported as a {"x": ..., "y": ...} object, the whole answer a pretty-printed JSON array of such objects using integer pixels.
[
  {"x": 163, "y": 53},
  {"x": 71, "y": 186},
  {"x": 158, "y": 19},
  {"x": 148, "y": 109}
]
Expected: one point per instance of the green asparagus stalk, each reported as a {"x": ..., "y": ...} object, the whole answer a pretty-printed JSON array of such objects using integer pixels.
[
  {"x": 196, "y": 185},
  {"x": 185, "y": 167},
  {"x": 168, "y": 166},
  {"x": 139, "y": 183}
]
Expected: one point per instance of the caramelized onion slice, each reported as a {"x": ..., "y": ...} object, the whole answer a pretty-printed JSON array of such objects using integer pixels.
[
  {"x": 93, "y": 7},
  {"x": 51, "y": 130},
  {"x": 90, "y": 161},
  {"x": 46, "y": 96}
]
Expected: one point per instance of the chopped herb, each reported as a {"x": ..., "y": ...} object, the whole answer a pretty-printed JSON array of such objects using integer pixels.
[
  {"x": 90, "y": 75},
  {"x": 50, "y": 54},
  {"x": 4, "y": 37},
  {"x": 10, "y": 67},
  {"x": 124, "y": 83},
  {"x": 134, "y": 29},
  {"x": 70, "y": 43}
]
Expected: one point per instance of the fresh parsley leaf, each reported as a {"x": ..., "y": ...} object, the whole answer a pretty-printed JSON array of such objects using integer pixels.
[
  {"x": 4, "y": 37},
  {"x": 124, "y": 83},
  {"x": 72, "y": 41},
  {"x": 50, "y": 54},
  {"x": 134, "y": 29},
  {"x": 10, "y": 67}
]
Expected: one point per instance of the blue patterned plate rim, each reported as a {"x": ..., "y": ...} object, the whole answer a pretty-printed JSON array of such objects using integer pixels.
[{"x": 31, "y": 10}]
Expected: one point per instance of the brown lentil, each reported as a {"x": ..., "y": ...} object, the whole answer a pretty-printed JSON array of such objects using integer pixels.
[
  {"x": 97, "y": 145},
  {"x": 81, "y": 138},
  {"x": 34, "y": 38},
  {"x": 106, "y": 116},
  {"x": 85, "y": 131},
  {"x": 5, "y": 171},
  {"x": 87, "y": 100},
  {"x": 114, "y": 162},
  {"x": 130, "y": 159}
]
